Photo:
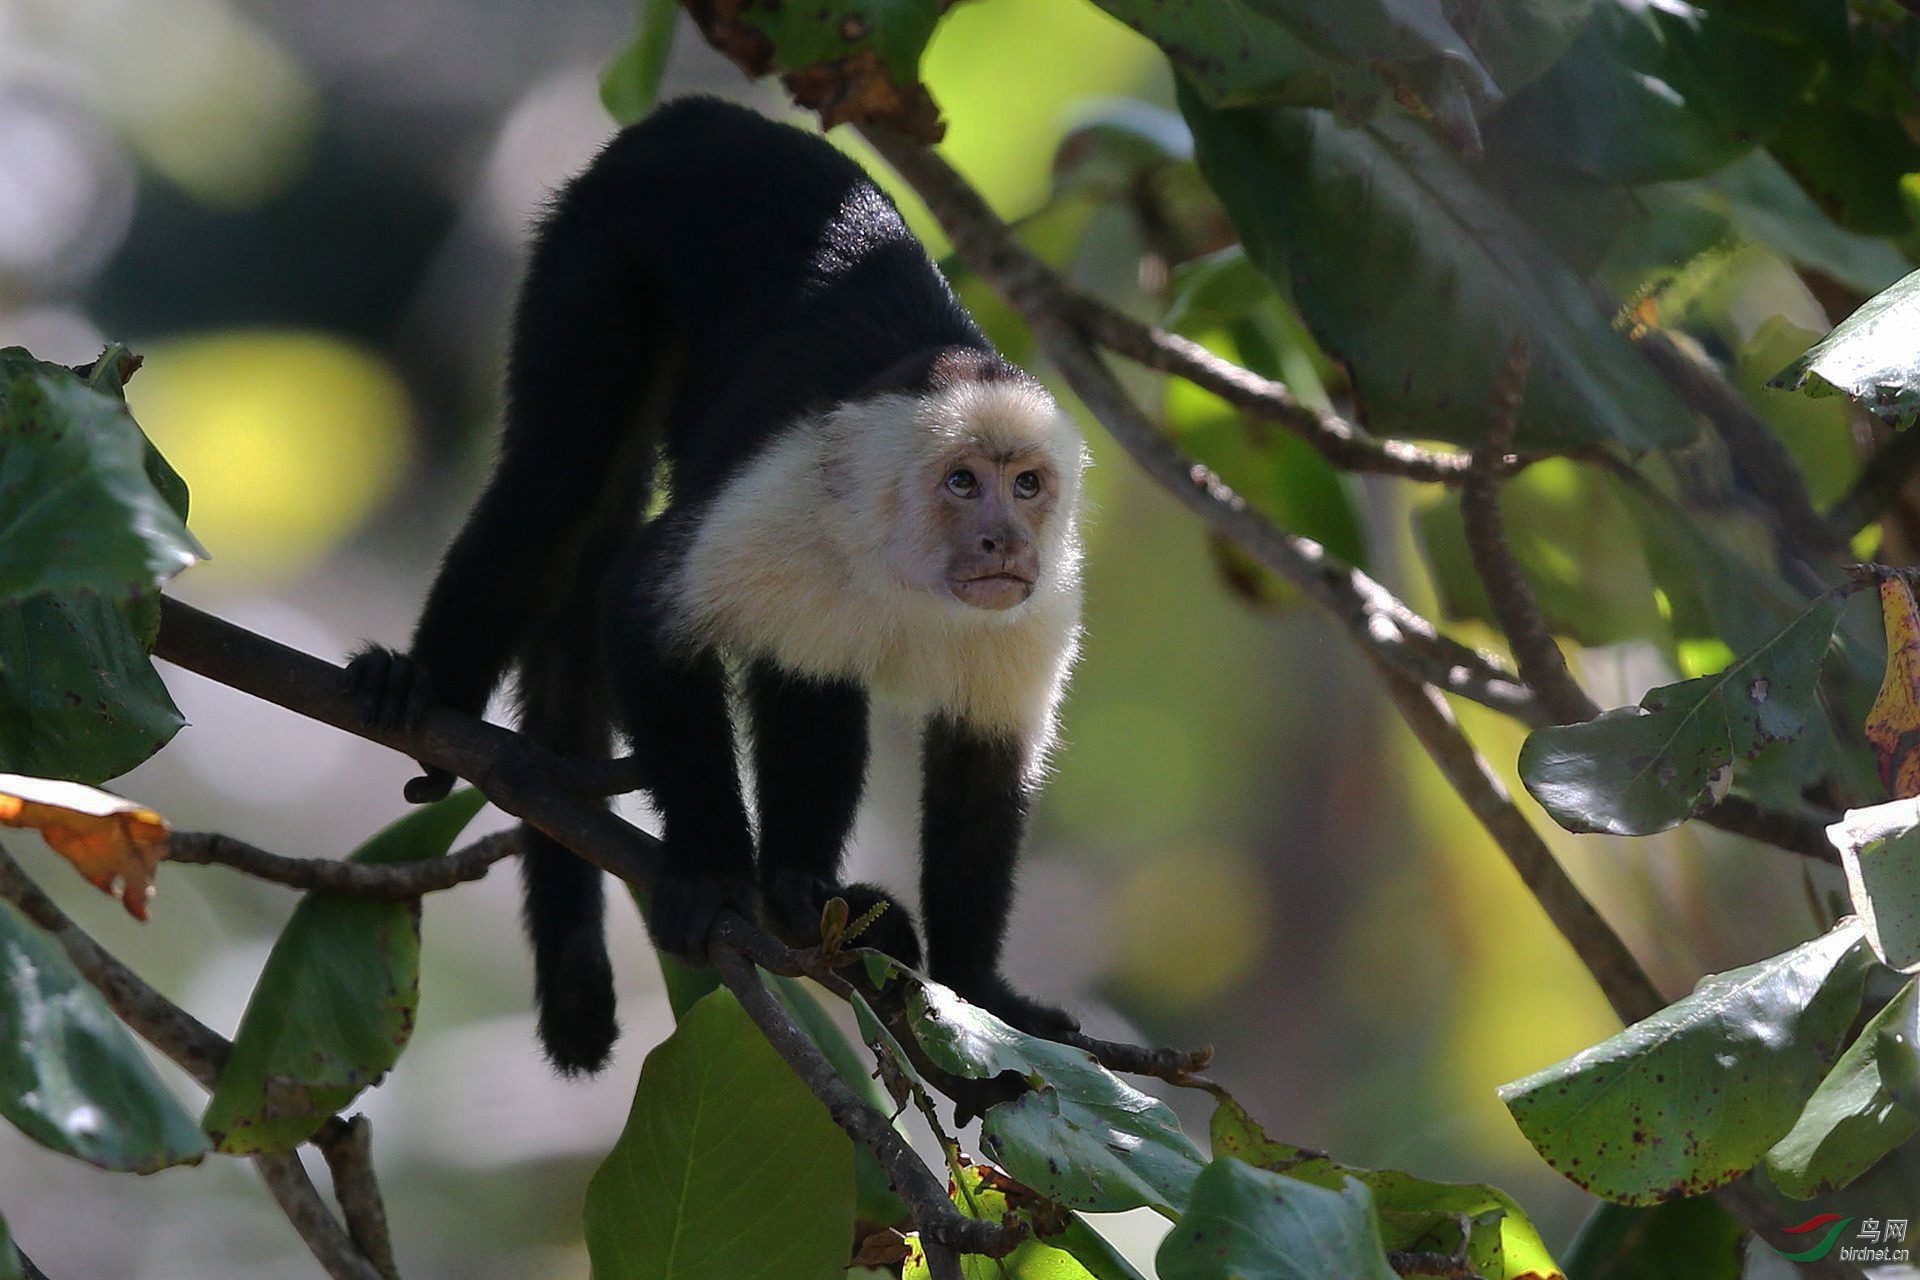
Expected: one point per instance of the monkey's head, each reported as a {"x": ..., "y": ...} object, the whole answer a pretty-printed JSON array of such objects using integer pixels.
[{"x": 988, "y": 504}]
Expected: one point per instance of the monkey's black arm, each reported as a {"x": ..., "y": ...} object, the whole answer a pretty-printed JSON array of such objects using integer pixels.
[{"x": 973, "y": 815}]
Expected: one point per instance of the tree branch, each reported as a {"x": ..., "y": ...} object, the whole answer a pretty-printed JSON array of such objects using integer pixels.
[
  {"x": 348, "y": 1148},
  {"x": 393, "y": 881},
  {"x": 294, "y": 1192}
]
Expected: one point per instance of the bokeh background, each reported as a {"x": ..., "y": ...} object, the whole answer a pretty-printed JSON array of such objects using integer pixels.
[{"x": 309, "y": 219}]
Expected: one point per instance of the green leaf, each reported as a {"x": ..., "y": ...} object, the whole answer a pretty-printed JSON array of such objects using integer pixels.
[
  {"x": 1880, "y": 850},
  {"x": 1692, "y": 1097},
  {"x": 78, "y": 512},
  {"x": 71, "y": 1077},
  {"x": 9, "y": 1255},
  {"x": 874, "y": 1198},
  {"x": 1853, "y": 1118},
  {"x": 79, "y": 698},
  {"x": 335, "y": 1002},
  {"x": 1764, "y": 202},
  {"x": 1419, "y": 279},
  {"x": 631, "y": 81},
  {"x": 727, "y": 1168},
  {"x": 1082, "y": 1136},
  {"x": 1676, "y": 1240},
  {"x": 1248, "y": 1224},
  {"x": 1873, "y": 355},
  {"x": 1635, "y": 771},
  {"x": 1415, "y": 1215},
  {"x": 1651, "y": 92}
]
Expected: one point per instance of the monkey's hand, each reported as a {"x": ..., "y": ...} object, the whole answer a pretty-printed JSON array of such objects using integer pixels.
[
  {"x": 682, "y": 910},
  {"x": 392, "y": 690},
  {"x": 792, "y": 901},
  {"x": 994, "y": 995}
]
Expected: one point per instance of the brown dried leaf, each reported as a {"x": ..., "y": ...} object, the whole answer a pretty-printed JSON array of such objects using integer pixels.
[{"x": 108, "y": 840}]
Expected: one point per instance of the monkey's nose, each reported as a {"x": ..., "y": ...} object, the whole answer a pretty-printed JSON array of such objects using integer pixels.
[{"x": 988, "y": 544}]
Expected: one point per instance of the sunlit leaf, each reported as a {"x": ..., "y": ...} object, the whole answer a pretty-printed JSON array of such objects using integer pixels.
[
  {"x": 71, "y": 1077},
  {"x": 335, "y": 1003},
  {"x": 728, "y": 1166},
  {"x": 1419, "y": 279},
  {"x": 1880, "y": 850},
  {"x": 1049, "y": 1252},
  {"x": 1637, "y": 770},
  {"x": 1692, "y": 1097},
  {"x": 1248, "y": 1224},
  {"x": 1081, "y": 1136},
  {"x": 109, "y": 840},
  {"x": 1415, "y": 1215},
  {"x": 1853, "y": 1118},
  {"x": 1871, "y": 356}
]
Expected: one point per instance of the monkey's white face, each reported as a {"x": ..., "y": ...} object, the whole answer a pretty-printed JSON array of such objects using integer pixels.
[{"x": 988, "y": 513}]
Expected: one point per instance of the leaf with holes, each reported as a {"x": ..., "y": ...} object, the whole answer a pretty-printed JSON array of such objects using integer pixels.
[
  {"x": 1692, "y": 1097},
  {"x": 71, "y": 1077},
  {"x": 1081, "y": 1136},
  {"x": 1638, "y": 770},
  {"x": 335, "y": 1003},
  {"x": 728, "y": 1165}
]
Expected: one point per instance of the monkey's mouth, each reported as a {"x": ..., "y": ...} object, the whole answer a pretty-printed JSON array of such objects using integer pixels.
[{"x": 998, "y": 589}]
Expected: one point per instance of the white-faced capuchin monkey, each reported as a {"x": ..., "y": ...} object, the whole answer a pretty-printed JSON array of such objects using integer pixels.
[{"x": 863, "y": 500}]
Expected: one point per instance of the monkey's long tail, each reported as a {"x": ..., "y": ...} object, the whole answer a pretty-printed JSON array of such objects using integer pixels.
[{"x": 591, "y": 368}]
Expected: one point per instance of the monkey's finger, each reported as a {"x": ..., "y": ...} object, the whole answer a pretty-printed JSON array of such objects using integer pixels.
[{"x": 419, "y": 694}]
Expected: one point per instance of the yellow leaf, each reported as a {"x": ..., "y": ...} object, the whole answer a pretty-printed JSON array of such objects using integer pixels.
[{"x": 108, "y": 840}]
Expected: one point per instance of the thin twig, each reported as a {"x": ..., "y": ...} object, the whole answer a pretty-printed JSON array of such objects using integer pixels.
[
  {"x": 348, "y": 1148},
  {"x": 390, "y": 881},
  {"x": 1619, "y": 976},
  {"x": 1765, "y": 468},
  {"x": 297, "y": 1197},
  {"x": 1340, "y": 442},
  {"x": 1881, "y": 478},
  {"x": 201, "y": 1052},
  {"x": 932, "y": 1211},
  {"x": 1515, "y": 608}
]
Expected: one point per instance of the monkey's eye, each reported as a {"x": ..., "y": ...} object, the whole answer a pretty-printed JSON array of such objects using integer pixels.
[
  {"x": 1026, "y": 485},
  {"x": 962, "y": 483}
]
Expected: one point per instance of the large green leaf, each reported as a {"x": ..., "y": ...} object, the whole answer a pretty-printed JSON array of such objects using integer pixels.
[
  {"x": 71, "y": 1077},
  {"x": 78, "y": 512},
  {"x": 1873, "y": 355},
  {"x": 1692, "y": 1097},
  {"x": 1248, "y": 1224},
  {"x": 1854, "y": 1118},
  {"x": 1415, "y": 1215},
  {"x": 335, "y": 1003},
  {"x": 1081, "y": 1136},
  {"x": 1659, "y": 91},
  {"x": 1420, "y": 279},
  {"x": 1693, "y": 1239},
  {"x": 727, "y": 1168},
  {"x": 1637, "y": 770},
  {"x": 79, "y": 698}
]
